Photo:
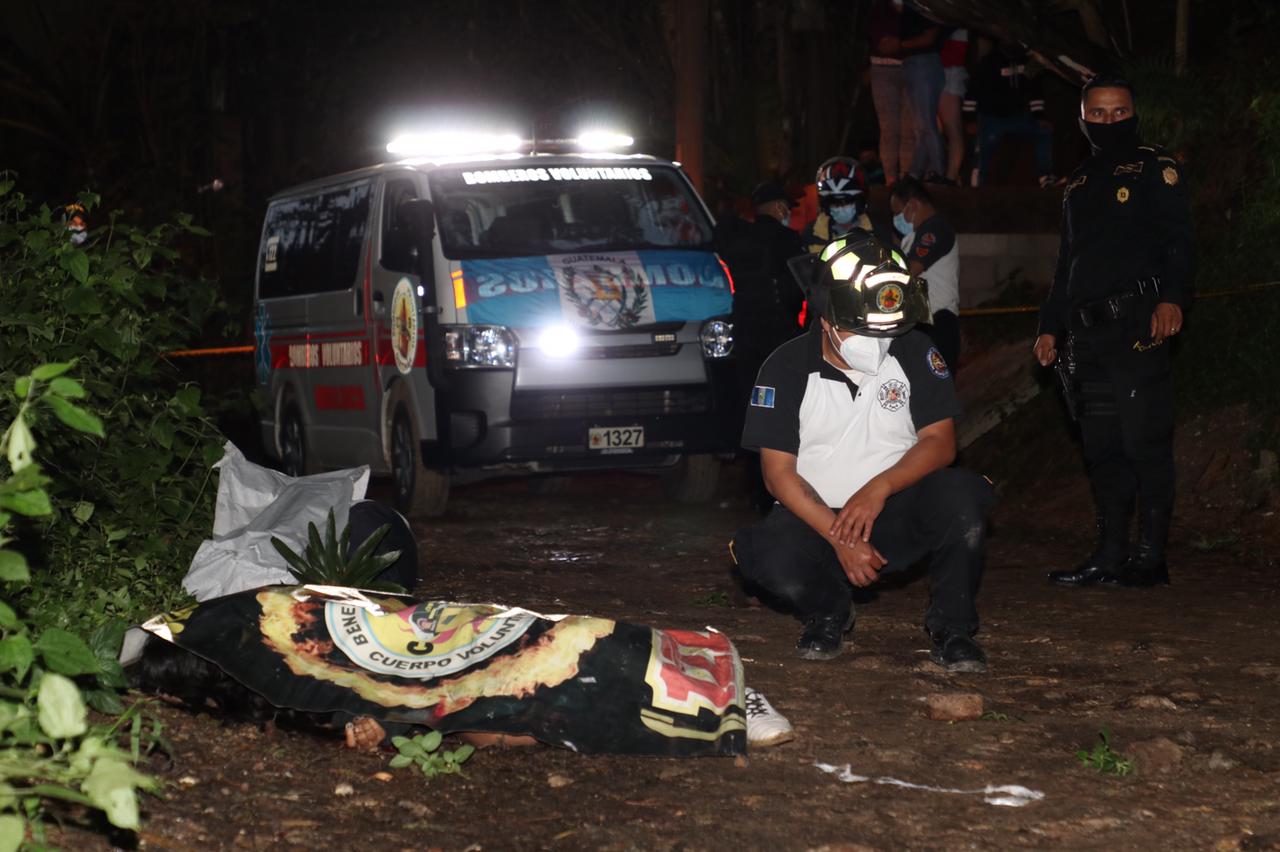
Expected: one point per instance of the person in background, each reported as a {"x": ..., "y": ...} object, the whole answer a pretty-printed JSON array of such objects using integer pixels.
[
  {"x": 1125, "y": 271},
  {"x": 766, "y": 298},
  {"x": 932, "y": 252},
  {"x": 1008, "y": 103},
  {"x": 922, "y": 66},
  {"x": 842, "y": 200},
  {"x": 889, "y": 89},
  {"x": 954, "y": 52}
]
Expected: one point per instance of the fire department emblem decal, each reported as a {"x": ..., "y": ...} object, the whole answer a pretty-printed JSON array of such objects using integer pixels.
[
  {"x": 603, "y": 291},
  {"x": 937, "y": 364},
  {"x": 892, "y": 395},
  {"x": 889, "y": 299},
  {"x": 404, "y": 326}
]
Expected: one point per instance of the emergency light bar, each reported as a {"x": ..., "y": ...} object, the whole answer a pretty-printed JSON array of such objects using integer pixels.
[
  {"x": 453, "y": 144},
  {"x": 464, "y": 144}
]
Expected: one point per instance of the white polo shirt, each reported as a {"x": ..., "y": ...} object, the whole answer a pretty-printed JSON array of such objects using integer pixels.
[{"x": 841, "y": 433}]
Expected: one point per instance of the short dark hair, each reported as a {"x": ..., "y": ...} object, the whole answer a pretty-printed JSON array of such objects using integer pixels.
[
  {"x": 1106, "y": 81},
  {"x": 909, "y": 188}
]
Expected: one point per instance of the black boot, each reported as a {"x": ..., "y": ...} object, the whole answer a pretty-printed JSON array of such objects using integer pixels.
[
  {"x": 1147, "y": 567},
  {"x": 1110, "y": 554}
]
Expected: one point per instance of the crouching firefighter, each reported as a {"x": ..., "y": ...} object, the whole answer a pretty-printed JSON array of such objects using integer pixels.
[{"x": 854, "y": 422}]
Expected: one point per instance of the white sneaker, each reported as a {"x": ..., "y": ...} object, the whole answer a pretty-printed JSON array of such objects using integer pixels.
[{"x": 765, "y": 726}]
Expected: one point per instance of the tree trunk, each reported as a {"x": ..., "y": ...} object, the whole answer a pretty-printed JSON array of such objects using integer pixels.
[{"x": 691, "y": 80}]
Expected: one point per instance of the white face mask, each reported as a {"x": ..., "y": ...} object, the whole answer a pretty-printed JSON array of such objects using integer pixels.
[{"x": 863, "y": 354}]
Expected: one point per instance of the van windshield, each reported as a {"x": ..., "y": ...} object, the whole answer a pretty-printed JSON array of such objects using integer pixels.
[{"x": 541, "y": 210}]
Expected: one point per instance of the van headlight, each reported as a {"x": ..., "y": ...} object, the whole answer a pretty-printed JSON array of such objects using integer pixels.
[
  {"x": 717, "y": 338},
  {"x": 479, "y": 346}
]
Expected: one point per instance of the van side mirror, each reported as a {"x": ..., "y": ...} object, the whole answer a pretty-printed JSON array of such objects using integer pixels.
[{"x": 419, "y": 218}]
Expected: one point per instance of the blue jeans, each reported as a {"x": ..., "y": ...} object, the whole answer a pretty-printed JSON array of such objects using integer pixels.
[
  {"x": 925, "y": 80},
  {"x": 993, "y": 128}
]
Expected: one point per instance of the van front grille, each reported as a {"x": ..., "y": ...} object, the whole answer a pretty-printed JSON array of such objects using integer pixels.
[{"x": 631, "y": 402}]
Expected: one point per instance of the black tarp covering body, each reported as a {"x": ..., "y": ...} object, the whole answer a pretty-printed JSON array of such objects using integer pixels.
[{"x": 588, "y": 684}]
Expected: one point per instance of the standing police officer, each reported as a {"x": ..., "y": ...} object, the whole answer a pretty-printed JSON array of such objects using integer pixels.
[{"x": 1124, "y": 274}]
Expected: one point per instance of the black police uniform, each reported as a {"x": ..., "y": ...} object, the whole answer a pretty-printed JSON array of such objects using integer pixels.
[
  {"x": 804, "y": 406},
  {"x": 1126, "y": 245}
]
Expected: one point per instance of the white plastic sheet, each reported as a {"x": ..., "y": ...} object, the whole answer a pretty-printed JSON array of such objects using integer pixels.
[{"x": 254, "y": 504}]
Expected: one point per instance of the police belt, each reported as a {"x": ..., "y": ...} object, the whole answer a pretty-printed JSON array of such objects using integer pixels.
[{"x": 1117, "y": 307}]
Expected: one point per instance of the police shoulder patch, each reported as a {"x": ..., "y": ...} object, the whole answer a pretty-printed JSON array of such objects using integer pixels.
[
  {"x": 762, "y": 397},
  {"x": 937, "y": 364}
]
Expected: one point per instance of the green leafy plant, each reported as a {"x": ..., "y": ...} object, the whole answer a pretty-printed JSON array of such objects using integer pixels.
[
  {"x": 327, "y": 563},
  {"x": 716, "y": 598},
  {"x": 424, "y": 751},
  {"x": 1104, "y": 758},
  {"x": 50, "y": 677},
  {"x": 127, "y": 514}
]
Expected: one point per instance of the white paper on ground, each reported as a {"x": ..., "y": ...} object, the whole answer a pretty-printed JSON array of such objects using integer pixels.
[
  {"x": 1005, "y": 795},
  {"x": 254, "y": 504}
]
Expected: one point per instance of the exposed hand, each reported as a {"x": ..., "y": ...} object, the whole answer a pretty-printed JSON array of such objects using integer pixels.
[
  {"x": 1166, "y": 321},
  {"x": 861, "y": 563},
  {"x": 364, "y": 733},
  {"x": 860, "y": 512},
  {"x": 1046, "y": 349}
]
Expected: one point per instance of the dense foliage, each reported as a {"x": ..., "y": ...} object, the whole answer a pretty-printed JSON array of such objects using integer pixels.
[
  {"x": 48, "y": 748},
  {"x": 127, "y": 513}
]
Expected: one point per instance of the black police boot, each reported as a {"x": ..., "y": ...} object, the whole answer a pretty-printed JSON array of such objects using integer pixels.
[
  {"x": 1108, "y": 556},
  {"x": 1147, "y": 567},
  {"x": 957, "y": 652},
  {"x": 823, "y": 636}
]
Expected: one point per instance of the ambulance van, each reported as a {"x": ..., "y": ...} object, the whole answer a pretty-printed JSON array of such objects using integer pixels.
[{"x": 453, "y": 317}]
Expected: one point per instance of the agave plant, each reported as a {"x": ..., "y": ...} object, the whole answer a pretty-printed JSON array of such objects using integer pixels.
[{"x": 327, "y": 563}]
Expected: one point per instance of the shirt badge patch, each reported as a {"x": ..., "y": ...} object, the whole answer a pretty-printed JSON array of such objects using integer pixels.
[
  {"x": 892, "y": 395},
  {"x": 762, "y": 397},
  {"x": 928, "y": 239},
  {"x": 937, "y": 364},
  {"x": 1122, "y": 194},
  {"x": 889, "y": 299},
  {"x": 923, "y": 251},
  {"x": 1170, "y": 175}
]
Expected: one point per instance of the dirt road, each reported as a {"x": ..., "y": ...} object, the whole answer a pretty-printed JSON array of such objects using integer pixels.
[{"x": 1186, "y": 680}]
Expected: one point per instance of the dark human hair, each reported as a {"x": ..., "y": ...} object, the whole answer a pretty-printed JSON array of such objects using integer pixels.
[
  {"x": 1105, "y": 81},
  {"x": 909, "y": 188}
]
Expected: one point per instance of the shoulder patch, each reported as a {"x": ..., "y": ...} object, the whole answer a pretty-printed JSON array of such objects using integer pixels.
[
  {"x": 762, "y": 397},
  {"x": 922, "y": 251},
  {"x": 937, "y": 364},
  {"x": 928, "y": 239},
  {"x": 1170, "y": 175}
]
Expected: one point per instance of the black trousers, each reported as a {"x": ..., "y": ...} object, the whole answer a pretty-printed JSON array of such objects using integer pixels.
[
  {"x": 943, "y": 517},
  {"x": 1126, "y": 412}
]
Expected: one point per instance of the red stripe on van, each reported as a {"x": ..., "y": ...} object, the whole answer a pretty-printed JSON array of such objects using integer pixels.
[{"x": 339, "y": 397}]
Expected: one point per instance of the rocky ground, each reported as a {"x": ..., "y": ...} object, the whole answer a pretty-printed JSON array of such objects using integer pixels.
[{"x": 1184, "y": 681}]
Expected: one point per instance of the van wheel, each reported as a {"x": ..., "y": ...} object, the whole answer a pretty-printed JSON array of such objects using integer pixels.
[
  {"x": 693, "y": 479},
  {"x": 418, "y": 492},
  {"x": 293, "y": 442}
]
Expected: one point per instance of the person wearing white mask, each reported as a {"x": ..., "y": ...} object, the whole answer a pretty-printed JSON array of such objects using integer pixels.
[
  {"x": 854, "y": 422},
  {"x": 932, "y": 250},
  {"x": 842, "y": 199}
]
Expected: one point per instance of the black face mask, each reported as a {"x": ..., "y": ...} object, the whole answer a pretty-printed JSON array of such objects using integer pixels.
[{"x": 1113, "y": 137}]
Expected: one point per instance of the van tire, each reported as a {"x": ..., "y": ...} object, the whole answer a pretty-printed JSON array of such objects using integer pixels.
[
  {"x": 693, "y": 479},
  {"x": 294, "y": 458},
  {"x": 419, "y": 492}
]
